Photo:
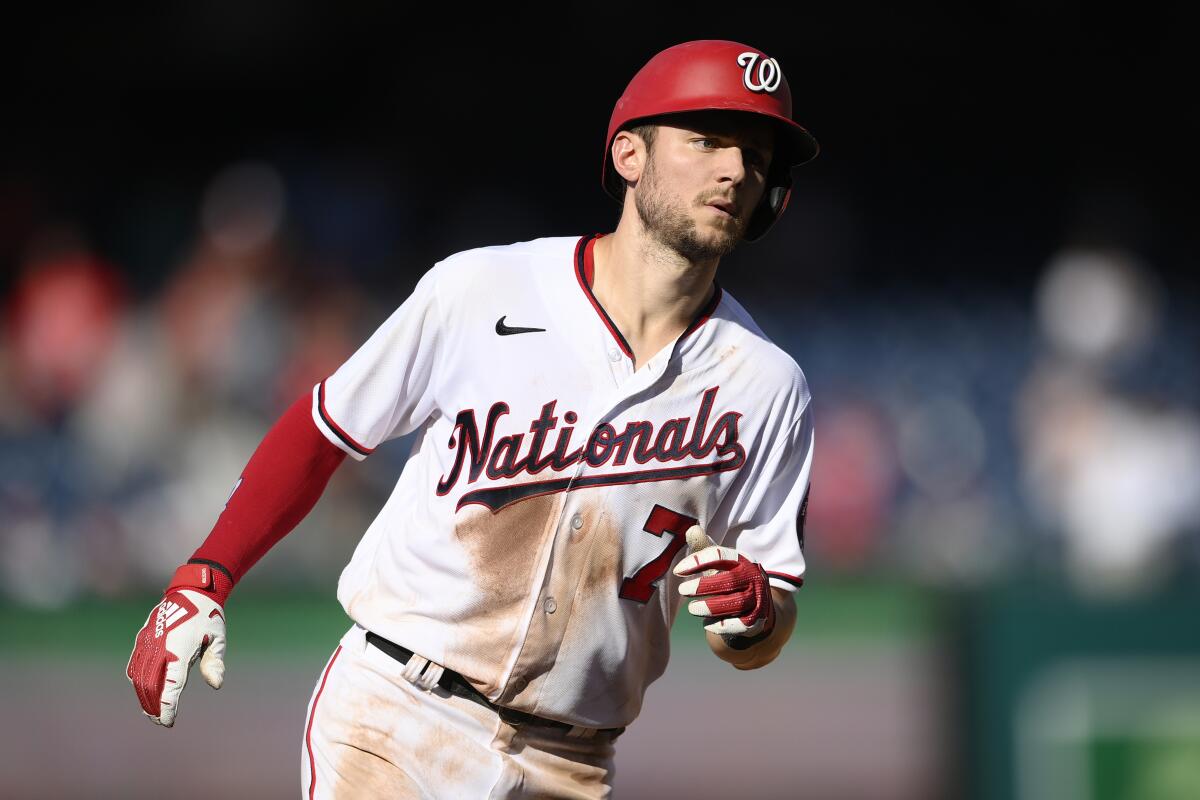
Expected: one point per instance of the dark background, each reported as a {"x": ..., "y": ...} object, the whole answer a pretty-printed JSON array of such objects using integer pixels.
[{"x": 954, "y": 144}]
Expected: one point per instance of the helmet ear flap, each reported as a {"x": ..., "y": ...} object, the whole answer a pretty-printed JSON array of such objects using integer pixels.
[{"x": 771, "y": 206}]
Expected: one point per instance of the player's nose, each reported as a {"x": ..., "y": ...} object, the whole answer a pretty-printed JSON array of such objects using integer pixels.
[{"x": 731, "y": 165}]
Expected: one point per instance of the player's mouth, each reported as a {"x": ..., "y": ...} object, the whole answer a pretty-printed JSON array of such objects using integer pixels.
[{"x": 726, "y": 208}]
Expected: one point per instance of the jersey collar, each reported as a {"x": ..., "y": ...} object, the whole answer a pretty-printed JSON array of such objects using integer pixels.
[{"x": 585, "y": 273}]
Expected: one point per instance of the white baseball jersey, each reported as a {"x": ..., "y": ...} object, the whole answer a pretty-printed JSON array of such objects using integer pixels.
[{"x": 529, "y": 541}]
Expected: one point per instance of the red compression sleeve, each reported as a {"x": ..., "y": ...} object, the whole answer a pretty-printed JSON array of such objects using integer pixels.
[{"x": 281, "y": 483}]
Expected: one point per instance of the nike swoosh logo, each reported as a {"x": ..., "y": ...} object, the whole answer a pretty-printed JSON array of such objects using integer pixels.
[{"x": 506, "y": 330}]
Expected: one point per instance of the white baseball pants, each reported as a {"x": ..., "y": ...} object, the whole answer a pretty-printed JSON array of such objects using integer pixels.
[{"x": 370, "y": 732}]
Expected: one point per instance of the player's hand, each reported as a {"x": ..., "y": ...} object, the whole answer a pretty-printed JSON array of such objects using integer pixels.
[
  {"x": 732, "y": 592},
  {"x": 188, "y": 624}
]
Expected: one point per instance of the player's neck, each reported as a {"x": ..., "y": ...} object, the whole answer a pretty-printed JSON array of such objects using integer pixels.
[{"x": 651, "y": 293}]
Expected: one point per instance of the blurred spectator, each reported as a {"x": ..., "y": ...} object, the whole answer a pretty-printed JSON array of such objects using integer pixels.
[
  {"x": 129, "y": 424},
  {"x": 60, "y": 324},
  {"x": 854, "y": 481},
  {"x": 221, "y": 310},
  {"x": 325, "y": 332},
  {"x": 1116, "y": 473}
]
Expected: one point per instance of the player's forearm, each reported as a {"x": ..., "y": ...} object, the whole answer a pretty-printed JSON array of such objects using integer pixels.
[
  {"x": 765, "y": 651},
  {"x": 281, "y": 483},
  {"x": 279, "y": 486}
]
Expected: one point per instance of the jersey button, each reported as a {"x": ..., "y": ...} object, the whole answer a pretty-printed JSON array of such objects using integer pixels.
[
  {"x": 614, "y": 355},
  {"x": 518, "y": 685},
  {"x": 576, "y": 522},
  {"x": 550, "y": 605}
]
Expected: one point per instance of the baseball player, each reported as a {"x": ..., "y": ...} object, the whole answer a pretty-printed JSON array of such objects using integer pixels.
[{"x": 602, "y": 431}]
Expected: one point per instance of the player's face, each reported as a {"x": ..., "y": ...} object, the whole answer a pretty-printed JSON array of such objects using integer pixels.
[{"x": 703, "y": 180}]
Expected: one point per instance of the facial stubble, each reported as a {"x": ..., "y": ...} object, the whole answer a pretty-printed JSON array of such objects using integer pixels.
[{"x": 672, "y": 227}]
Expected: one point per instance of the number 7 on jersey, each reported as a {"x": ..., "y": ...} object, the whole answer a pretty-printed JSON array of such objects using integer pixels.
[{"x": 640, "y": 586}]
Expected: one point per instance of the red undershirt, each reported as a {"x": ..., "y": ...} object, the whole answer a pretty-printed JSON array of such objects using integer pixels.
[{"x": 279, "y": 486}]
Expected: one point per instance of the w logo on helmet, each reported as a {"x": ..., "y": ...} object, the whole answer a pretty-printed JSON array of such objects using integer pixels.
[{"x": 769, "y": 74}]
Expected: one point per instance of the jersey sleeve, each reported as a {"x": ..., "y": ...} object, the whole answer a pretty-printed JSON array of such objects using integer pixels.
[
  {"x": 386, "y": 389},
  {"x": 766, "y": 517}
]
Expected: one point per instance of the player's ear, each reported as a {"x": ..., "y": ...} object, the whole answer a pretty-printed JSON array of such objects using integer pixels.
[{"x": 629, "y": 154}]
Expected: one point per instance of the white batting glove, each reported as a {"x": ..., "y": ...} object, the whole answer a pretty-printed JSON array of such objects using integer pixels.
[
  {"x": 188, "y": 624},
  {"x": 733, "y": 593}
]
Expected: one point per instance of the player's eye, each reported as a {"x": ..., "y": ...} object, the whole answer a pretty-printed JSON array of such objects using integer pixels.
[{"x": 706, "y": 144}]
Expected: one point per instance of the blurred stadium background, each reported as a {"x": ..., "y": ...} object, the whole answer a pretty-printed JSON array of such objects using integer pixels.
[{"x": 988, "y": 276}]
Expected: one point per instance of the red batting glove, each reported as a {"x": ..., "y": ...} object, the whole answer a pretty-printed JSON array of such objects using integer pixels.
[
  {"x": 733, "y": 589},
  {"x": 188, "y": 624}
]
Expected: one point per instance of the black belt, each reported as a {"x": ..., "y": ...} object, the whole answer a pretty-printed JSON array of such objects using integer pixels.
[{"x": 456, "y": 684}]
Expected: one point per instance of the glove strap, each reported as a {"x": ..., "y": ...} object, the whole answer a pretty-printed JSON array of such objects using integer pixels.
[
  {"x": 739, "y": 642},
  {"x": 207, "y": 578}
]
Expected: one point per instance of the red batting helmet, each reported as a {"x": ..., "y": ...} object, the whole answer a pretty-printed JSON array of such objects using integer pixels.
[{"x": 716, "y": 75}]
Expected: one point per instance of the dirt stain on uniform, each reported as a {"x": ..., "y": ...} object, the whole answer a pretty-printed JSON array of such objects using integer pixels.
[
  {"x": 565, "y": 768},
  {"x": 362, "y": 744},
  {"x": 574, "y": 566},
  {"x": 386, "y": 742},
  {"x": 503, "y": 551},
  {"x": 439, "y": 752},
  {"x": 364, "y": 774},
  {"x": 603, "y": 573},
  {"x": 600, "y": 586}
]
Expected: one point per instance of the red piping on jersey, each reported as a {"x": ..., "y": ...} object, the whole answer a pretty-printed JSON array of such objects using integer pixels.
[
  {"x": 705, "y": 312},
  {"x": 585, "y": 272},
  {"x": 312, "y": 765},
  {"x": 350, "y": 441},
  {"x": 783, "y": 576}
]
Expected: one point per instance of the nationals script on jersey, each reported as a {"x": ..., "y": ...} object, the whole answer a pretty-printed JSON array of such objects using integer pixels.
[{"x": 529, "y": 541}]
